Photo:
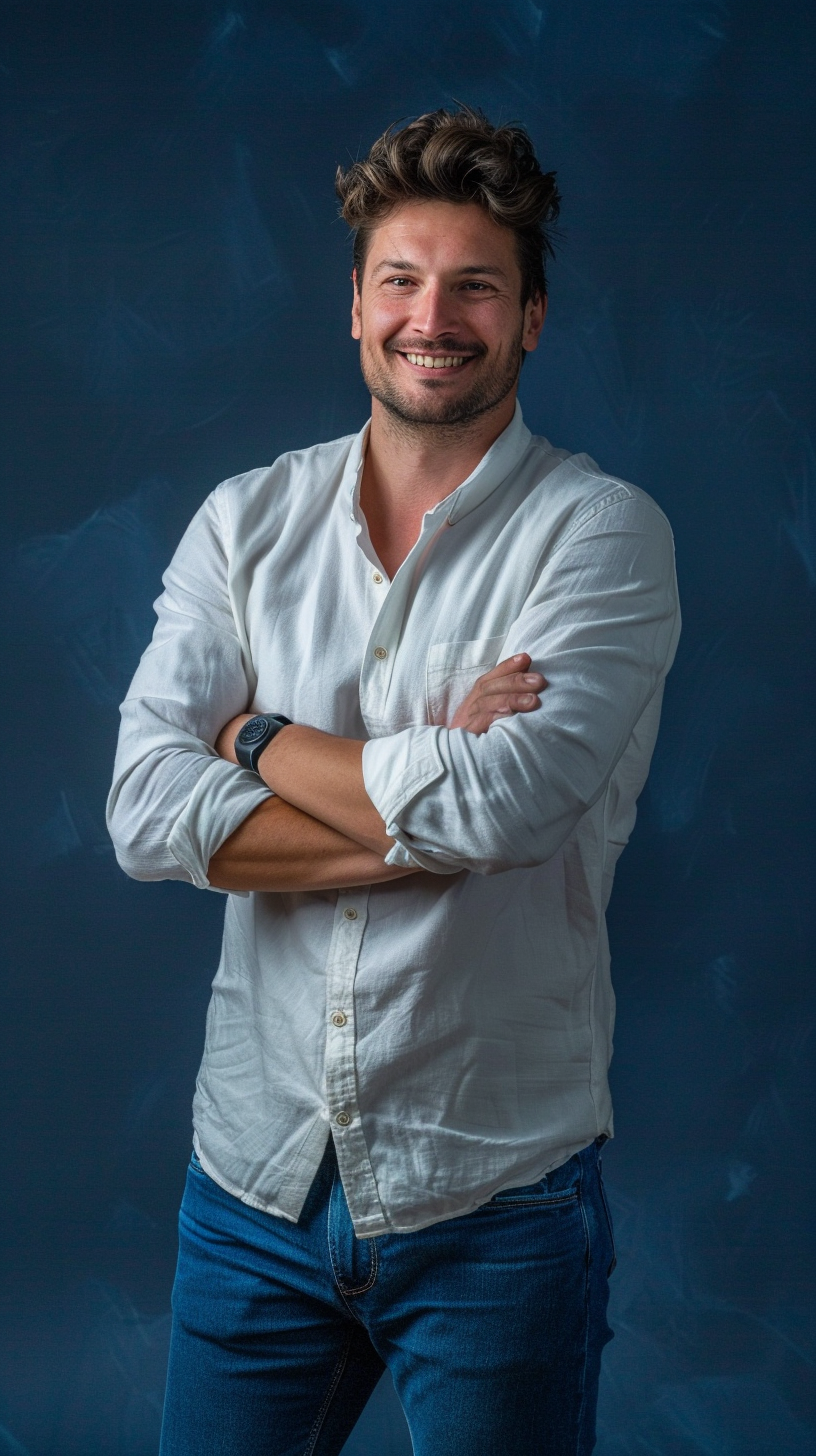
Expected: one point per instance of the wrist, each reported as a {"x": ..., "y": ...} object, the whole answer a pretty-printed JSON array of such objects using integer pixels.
[
  {"x": 225, "y": 742},
  {"x": 255, "y": 736},
  {"x": 269, "y": 755}
]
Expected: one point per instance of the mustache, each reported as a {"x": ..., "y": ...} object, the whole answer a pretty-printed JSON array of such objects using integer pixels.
[{"x": 434, "y": 346}]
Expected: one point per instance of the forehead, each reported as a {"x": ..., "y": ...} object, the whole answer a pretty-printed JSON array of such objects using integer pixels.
[{"x": 442, "y": 235}]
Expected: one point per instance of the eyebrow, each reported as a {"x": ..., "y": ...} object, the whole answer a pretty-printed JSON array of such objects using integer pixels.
[{"x": 402, "y": 265}]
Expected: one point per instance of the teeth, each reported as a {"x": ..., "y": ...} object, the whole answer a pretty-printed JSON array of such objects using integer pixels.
[{"x": 427, "y": 361}]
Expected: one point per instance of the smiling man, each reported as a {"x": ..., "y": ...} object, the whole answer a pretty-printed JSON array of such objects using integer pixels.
[{"x": 399, "y": 704}]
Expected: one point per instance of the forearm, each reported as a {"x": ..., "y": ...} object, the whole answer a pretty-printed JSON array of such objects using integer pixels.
[
  {"x": 279, "y": 848},
  {"x": 322, "y": 775}
]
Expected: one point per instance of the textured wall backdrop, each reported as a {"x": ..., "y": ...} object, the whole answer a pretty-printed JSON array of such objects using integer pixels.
[{"x": 176, "y": 292}]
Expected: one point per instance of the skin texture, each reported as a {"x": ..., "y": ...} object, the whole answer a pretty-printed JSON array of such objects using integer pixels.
[
  {"x": 280, "y": 848},
  {"x": 441, "y": 280}
]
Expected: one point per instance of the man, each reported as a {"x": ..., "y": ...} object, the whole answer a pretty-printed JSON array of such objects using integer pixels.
[{"x": 400, "y": 702}]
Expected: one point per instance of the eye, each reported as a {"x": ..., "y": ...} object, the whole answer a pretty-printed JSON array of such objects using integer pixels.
[
  {"x": 399, "y": 282},
  {"x": 474, "y": 284}
]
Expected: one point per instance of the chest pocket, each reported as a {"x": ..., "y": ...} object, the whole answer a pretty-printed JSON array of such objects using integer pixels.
[{"x": 453, "y": 668}]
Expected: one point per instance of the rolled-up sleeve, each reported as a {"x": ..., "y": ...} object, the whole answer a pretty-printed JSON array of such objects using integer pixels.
[
  {"x": 173, "y": 801},
  {"x": 602, "y": 626}
]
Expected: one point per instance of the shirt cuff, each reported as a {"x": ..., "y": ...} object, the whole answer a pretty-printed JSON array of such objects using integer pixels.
[
  {"x": 221, "y": 800},
  {"x": 402, "y": 858},
  {"x": 396, "y": 770}
]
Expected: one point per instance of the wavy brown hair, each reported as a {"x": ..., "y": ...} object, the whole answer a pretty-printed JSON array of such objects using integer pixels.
[{"x": 456, "y": 156}]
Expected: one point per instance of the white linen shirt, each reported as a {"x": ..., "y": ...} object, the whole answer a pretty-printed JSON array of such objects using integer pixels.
[{"x": 451, "y": 1030}]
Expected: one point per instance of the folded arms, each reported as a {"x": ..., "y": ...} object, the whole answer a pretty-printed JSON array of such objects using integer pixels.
[{"x": 501, "y": 786}]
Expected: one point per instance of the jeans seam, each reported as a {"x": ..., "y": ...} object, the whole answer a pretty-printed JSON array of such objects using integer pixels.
[
  {"x": 320, "y": 1418},
  {"x": 587, "y": 1275},
  {"x": 342, "y": 1290},
  {"x": 609, "y": 1223},
  {"x": 363, "y": 1288}
]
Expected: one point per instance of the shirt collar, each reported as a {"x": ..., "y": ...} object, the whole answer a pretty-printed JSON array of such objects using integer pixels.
[{"x": 494, "y": 467}]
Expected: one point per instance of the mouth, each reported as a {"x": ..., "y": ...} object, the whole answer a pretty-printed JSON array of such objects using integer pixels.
[{"x": 436, "y": 363}]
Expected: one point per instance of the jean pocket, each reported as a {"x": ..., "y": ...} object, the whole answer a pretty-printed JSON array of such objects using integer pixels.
[
  {"x": 533, "y": 1193},
  {"x": 195, "y": 1162}
]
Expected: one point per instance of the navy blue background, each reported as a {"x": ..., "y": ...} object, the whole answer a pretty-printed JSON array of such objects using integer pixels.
[{"x": 176, "y": 292}]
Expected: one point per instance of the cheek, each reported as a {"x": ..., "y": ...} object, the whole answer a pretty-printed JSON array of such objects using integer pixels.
[
  {"x": 501, "y": 326},
  {"x": 381, "y": 321}
]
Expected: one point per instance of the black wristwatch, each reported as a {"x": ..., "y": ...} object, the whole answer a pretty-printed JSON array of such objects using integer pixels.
[{"x": 252, "y": 739}]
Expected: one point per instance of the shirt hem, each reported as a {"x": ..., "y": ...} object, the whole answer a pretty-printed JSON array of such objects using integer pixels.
[
  {"x": 369, "y": 1228},
  {"x": 248, "y": 1198},
  {"x": 375, "y": 1227}
]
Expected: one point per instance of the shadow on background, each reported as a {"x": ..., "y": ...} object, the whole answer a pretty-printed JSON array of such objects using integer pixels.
[{"x": 176, "y": 288}]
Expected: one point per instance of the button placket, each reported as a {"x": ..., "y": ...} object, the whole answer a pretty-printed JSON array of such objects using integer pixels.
[
  {"x": 386, "y": 631},
  {"x": 341, "y": 1077},
  {"x": 378, "y": 663},
  {"x": 341, "y": 1082}
]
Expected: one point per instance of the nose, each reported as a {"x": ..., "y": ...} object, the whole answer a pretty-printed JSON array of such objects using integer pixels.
[{"x": 435, "y": 314}]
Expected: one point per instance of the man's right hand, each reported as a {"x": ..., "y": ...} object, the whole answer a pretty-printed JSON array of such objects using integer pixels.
[{"x": 509, "y": 687}]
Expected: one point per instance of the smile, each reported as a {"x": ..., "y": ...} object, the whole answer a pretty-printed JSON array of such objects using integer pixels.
[{"x": 437, "y": 361}]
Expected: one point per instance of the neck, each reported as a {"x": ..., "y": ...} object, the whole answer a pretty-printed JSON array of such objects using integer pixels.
[{"x": 410, "y": 468}]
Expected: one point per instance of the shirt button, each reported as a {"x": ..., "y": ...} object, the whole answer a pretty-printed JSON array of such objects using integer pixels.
[
  {"x": 342, "y": 1119},
  {"x": 339, "y": 1018},
  {"x": 378, "y": 578},
  {"x": 380, "y": 652},
  {"x": 350, "y": 913}
]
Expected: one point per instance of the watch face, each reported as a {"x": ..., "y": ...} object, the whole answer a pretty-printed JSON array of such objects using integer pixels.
[{"x": 253, "y": 730}]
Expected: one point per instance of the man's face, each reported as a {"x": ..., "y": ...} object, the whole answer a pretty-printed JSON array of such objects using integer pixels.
[{"x": 438, "y": 313}]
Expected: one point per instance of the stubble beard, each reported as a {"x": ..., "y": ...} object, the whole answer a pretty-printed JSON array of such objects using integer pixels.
[{"x": 435, "y": 414}]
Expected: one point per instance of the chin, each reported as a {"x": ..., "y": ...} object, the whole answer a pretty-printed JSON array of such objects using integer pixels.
[
  {"x": 428, "y": 403},
  {"x": 451, "y": 412}
]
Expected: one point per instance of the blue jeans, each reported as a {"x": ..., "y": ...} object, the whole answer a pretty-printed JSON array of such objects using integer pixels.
[{"x": 491, "y": 1324}]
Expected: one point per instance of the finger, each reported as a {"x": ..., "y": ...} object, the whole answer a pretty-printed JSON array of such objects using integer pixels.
[
  {"x": 522, "y": 702},
  {"x": 481, "y": 722},
  {"x": 500, "y": 715},
  {"x": 519, "y": 663},
  {"x": 506, "y": 704},
  {"x": 517, "y": 682}
]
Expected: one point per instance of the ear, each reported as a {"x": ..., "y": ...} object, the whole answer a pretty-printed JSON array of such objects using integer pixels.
[
  {"x": 356, "y": 315},
  {"x": 535, "y": 312}
]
